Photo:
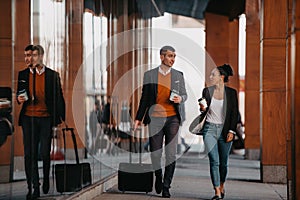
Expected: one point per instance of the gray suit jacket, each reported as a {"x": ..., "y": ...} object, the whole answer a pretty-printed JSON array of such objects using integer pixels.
[{"x": 149, "y": 94}]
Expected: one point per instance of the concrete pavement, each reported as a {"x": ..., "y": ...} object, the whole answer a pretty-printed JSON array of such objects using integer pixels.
[{"x": 191, "y": 181}]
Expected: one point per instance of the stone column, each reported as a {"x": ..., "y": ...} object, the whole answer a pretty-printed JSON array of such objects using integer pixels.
[
  {"x": 252, "y": 140},
  {"x": 221, "y": 45},
  {"x": 273, "y": 90},
  {"x": 6, "y": 53},
  {"x": 290, "y": 60},
  {"x": 294, "y": 142},
  {"x": 21, "y": 32}
]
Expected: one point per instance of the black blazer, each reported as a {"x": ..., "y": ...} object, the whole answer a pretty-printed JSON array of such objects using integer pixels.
[
  {"x": 149, "y": 94},
  {"x": 230, "y": 107},
  {"x": 53, "y": 94}
]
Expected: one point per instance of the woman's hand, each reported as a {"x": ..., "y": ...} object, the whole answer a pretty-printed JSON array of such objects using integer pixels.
[
  {"x": 230, "y": 137},
  {"x": 202, "y": 107}
]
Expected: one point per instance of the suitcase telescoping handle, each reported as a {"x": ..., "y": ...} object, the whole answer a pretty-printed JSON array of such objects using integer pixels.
[
  {"x": 74, "y": 142},
  {"x": 140, "y": 144}
]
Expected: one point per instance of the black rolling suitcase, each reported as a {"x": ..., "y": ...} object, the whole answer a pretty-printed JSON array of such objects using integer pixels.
[
  {"x": 135, "y": 177},
  {"x": 72, "y": 177}
]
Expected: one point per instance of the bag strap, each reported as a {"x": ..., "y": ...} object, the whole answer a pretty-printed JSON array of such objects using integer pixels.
[{"x": 74, "y": 142}]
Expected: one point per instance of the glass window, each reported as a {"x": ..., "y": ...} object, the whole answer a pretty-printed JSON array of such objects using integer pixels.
[{"x": 48, "y": 21}]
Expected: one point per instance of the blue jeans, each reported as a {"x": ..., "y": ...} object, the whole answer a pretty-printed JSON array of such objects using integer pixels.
[{"x": 218, "y": 152}]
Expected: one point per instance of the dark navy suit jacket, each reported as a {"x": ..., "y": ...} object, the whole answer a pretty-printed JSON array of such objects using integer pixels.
[{"x": 149, "y": 94}]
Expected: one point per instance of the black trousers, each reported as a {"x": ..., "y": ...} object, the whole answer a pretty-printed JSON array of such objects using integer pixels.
[
  {"x": 36, "y": 137},
  {"x": 161, "y": 129}
]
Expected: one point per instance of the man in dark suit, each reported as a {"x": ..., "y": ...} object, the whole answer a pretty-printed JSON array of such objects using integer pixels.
[
  {"x": 163, "y": 95},
  {"x": 43, "y": 107}
]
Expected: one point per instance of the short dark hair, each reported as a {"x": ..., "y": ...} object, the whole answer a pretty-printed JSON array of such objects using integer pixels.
[
  {"x": 164, "y": 49},
  {"x": 226, "y": 71},
  {"x": 38, "y": 48},
  {"x": 28, "y": 47}
]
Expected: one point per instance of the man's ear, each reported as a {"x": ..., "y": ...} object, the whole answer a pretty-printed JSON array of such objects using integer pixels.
[{"x": 162, "y": 57}]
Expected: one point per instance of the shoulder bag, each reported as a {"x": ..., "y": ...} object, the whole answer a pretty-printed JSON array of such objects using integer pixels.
[{"x": 197, "y": 124}]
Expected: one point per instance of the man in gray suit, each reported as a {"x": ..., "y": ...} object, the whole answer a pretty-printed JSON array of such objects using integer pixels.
[{"x": 160, "y": 106}]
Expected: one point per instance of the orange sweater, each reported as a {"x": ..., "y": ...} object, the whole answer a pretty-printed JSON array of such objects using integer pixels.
[
  {"x": 39, "y": 109},
  {"x": 163, "y": 107}
]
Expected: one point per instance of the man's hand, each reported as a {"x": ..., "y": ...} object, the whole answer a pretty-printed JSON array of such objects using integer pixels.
[
  {"x": 177, "y": 99},
  {"x": 137, "y": 123},
  {"x": 21, "y": 99}
]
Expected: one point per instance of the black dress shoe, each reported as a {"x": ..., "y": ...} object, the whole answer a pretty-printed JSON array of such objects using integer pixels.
[
  {"x": 166, "y": 193},
  {"x": 216, "y": 197},
  {"x": 35, "y": 194},
  {"x": 46, "y": 185},
  {"x": 158, "y": 184},
  {"x": 28, "y": 196}
]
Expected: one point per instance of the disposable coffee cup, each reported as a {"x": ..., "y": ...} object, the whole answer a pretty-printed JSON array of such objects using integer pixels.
[
  {"x": 23, "y": 93},
  {"x": 203, "y": 102},
  {"x": 173, "y": 94}
]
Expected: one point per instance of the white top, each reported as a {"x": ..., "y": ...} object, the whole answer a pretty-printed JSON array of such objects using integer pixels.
[{"x": 215, "y": 112}]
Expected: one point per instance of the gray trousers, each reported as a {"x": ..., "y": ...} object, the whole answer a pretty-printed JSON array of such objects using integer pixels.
[{"x": 161, "y": 129}]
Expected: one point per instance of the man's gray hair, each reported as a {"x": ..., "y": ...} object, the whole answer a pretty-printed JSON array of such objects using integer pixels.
[
  {"x": 164, "y": 49},
  {"x": 39, "y": 48}
]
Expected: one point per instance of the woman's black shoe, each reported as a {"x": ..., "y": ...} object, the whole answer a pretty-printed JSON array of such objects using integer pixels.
[
  {"x": 216, "y": 197},
  {"x": 223, "y": 194}
]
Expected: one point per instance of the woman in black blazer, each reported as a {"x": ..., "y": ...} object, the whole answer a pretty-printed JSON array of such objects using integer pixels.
[{"x": 220, "y": 125}]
